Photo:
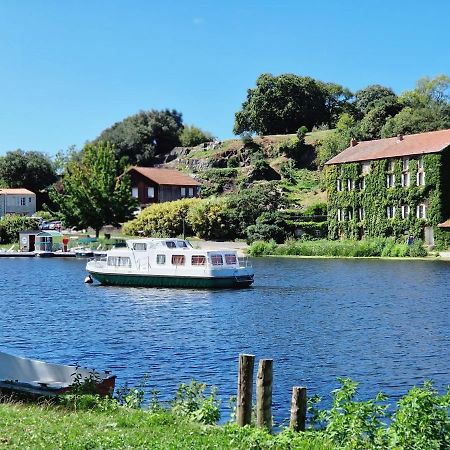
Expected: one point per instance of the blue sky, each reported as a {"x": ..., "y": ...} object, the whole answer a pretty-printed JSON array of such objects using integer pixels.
[{"x": 70, "y": 69}]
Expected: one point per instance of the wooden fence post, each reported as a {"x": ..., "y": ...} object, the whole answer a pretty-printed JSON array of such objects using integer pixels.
[
  {"x": 298, "y": 408},
  {"x": 264, "y": 381},
  {"x": 245, "y": 390}
]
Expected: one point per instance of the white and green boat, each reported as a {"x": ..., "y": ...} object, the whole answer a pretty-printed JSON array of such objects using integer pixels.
[{"x": 170, "y": 263}]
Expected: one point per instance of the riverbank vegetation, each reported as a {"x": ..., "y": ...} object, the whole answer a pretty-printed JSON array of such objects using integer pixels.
[
  {"x": 420, "y": 421},
  {"x": 378, "y": 247}
]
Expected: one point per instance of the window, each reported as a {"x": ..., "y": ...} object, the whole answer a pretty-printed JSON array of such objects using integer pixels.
[
  {"x": 350, "y": 214},
  {"x": 216, "y": 260},
  {"x": 361, "y": 213},
  {"x": 171, "y": 244},
  {"x": 390, "y": 165},
  {"x": 29, "y": 200},
  {"x": 405, "y": 163},
  {"x": 390, "y": 180},
  {"x": 405, "y": 179},
  {"x": 183, "y": 192},
  {"x": 160, "y": 259},
  {"x": 119, "y": 261},
  {"x": 421, "y": 211},
  {"x": 420, "y": 178},
  {"x": 134, "y": 192},
  {"x": 140, "y": 246},
  {"x": 22, "y": 201},
  {"x": 350, "y": 184},
  {"x": 181, "y": 244},
  {"x": 362, "y": 183},
  {"x": 405, "y": 211},
  {"x": 178, "y": 260},
  {"x": 339, "y": 185},
  {"x": 151, "y": 192},
  {"x": 390, "y": 212},
  {"x": 198, "y": 260},
  {"x": 230, "y": 259},
  {"x": 340, "y": 215},
  {"x": 191, "y": 192},
  {"x": 420, "y": 163},
  {"x": 365, "y": 168}
]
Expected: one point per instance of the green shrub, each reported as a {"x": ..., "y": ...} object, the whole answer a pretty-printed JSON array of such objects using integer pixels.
[
  {"x": 161, "y": 219},
  {"x": 11, "y": 225},
  {"x": 233, "y": 162}
]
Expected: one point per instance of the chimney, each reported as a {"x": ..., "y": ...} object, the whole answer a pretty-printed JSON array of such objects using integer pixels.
[
  {"x": 353, "y": 142},
  {"x": 399, "y": 137}
]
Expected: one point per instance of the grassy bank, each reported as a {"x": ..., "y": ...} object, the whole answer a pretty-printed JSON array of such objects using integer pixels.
[
  {"x": 420, "y": 421},
  {"x": 385, "y": 247},
  {"x": 48, "y": 427}
]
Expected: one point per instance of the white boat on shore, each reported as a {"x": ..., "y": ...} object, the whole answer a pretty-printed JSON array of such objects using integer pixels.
[
  {"x": 170, "y": 263},
  {"x": 33, "y": 377}
]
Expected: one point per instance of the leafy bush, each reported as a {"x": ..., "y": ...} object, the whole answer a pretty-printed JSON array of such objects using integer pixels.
[
  {"x": 192, "y": 136},
  {"x": 11, "y": 225},
  {"x": 269, "y": 225},
  {"x": 191, "y": 401},
  {"x": 161, "y": 219},
  {"x": 209, "y": 218},
  {"x": 233, "y": 162}
]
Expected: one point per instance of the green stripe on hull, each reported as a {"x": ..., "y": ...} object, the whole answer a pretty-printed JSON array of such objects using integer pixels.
[{"x": 171, "y": 282}]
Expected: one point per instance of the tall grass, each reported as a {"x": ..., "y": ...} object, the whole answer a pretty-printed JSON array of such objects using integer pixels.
[{"x": 386, "y": 247}]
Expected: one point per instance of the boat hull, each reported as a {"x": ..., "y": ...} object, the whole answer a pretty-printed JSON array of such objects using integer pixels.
[{"x": 136, "y": 280}]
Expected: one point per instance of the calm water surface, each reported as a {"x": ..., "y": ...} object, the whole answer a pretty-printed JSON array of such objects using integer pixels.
[{"x": 383, "y": 323}]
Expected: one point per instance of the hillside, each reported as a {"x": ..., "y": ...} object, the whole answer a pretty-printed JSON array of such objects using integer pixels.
[{"x": 228, "y": 166}]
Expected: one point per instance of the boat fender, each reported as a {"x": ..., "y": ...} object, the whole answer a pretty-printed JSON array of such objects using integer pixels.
[{"x": 88, "y": 279}]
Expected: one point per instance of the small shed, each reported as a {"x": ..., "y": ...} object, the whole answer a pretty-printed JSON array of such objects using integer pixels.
[
  {"x": 48, "y": 241},
  {"x": 27, "y": 239}
]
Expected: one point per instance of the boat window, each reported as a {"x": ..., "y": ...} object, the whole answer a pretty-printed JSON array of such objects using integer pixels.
[
  {"x": 216, "y": 260},
  {"x": 178, "y": 260},
  {"x": 198, "y": 260},
  {"x": 122, "y": 261},
  {"x": 181, "y": 244},
  {"x": 230, "y": 259},
  {"x": 170, "y": 244},
  {"x": 160, "y": 259},
  {"x": 140, "y": 246}
]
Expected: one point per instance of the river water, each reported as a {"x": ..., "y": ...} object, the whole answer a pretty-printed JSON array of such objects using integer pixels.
[{"x": 384, "y": 323}]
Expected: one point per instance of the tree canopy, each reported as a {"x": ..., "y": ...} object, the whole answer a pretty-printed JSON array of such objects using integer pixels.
[
  {"x": 367, "y": 98},
  {"x": 191, "y": 136},
  {"x": 138, "y": 138},
  {"x": 281, "y": 104},
  {"x": 31, "y": 170},
  {"x": 91, "y": 194}
]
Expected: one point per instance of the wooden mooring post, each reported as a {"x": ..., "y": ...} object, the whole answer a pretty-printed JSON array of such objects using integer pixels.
[
  {"x": 245, "y": 390},
  {"x": 298, "y": 408},
  {"x": 264, "y": 381}
]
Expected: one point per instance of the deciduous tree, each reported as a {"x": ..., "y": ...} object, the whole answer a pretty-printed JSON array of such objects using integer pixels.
[{"x": 91, "y": 194}]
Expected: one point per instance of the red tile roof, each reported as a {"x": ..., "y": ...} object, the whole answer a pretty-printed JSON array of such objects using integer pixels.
[
  {"x": 413, "y": 144},
  {"x": 16, "y": 192},
  {"x": 445, "y": 224},
  {"x": 165, "y": 176}
]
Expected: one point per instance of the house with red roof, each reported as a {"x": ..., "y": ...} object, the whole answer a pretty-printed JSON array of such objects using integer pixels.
[
  {"x": 398, "y": 186},
  {"x": 17, "y": 201},
  {"x": 155, "y": 185}
]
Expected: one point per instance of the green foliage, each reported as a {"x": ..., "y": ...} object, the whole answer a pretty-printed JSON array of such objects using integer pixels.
[
  {"x": 209, "y": 218},
  {"x": 140, "y": 137},
  {"x": 192, "y": 136},
  {"x": 288, "y": 172},
  {"x": 386, "y": 247},
  {"x": 11, "y": 225},
  {"x": 217, "y": 180},
  {"x": 367, "y": 98},
  {"x": 46, "y": 215},
  {"x": 421, "y": 421},
  {"x": 192, "y": 402},
  {"x": 92, "y": 195},
  {"x": 161, "y": 219},
  {"x": 269, "y": 225},
  {"x": 31, "y": 170},
  {"x": 280, "y": 104},
  {"x": 232, "y": 162}
]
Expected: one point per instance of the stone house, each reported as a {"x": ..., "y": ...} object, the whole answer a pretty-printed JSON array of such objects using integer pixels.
[
  {"x": 17, "y": 201},
  {"x": 154, "y": 185},
  {"x": 397, "y": 186}
]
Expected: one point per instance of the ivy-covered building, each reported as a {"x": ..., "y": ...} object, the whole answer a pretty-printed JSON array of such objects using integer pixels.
[{"x": 397, "y": 187}]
